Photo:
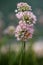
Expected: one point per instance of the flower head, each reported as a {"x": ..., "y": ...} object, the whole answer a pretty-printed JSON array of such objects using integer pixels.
[
  {"x": 23, "y": 7},
  {"x": 27, "y": 17},
  {"x": 24, "y": 31}
]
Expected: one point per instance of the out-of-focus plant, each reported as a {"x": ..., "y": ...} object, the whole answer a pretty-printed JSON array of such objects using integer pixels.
[{"x": 10, "y": 34}]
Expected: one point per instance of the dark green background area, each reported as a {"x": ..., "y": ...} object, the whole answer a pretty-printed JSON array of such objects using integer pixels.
[{"x": 7, "y": 6}]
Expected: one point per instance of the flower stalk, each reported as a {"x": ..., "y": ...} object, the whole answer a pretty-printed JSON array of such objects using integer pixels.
[{"x": 25, "y": 28}]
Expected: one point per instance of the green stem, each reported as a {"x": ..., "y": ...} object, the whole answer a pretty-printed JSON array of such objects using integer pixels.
[
  {"x": 24, "y": 51},
  {"x": 22, "y": 57},
  {"x": 24, "y": 46}
]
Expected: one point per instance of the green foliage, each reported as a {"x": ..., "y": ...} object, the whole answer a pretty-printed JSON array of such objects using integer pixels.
[
  {"x": 4, "y": 40},
  {"x": 17, "y": 59},
  {"x": 31, "y": 58}
]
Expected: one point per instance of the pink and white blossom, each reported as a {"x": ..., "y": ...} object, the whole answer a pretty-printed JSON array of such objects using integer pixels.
[
  {"x": 30, "y": 16},
  {"x": 24, "y": 31},
  {"x": 23, "y": 6},
  {"x": 27, "y": 16},
  {"x": 19, "y": 15}
]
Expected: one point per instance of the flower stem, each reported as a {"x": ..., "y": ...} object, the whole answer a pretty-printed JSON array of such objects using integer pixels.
[
  {"x": 23, "y": 57},
  {"x": 24, "y": 52}
]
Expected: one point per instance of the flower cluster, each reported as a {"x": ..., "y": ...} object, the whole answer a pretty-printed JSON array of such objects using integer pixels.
[
  {"x": 27, "y": 19},
  {"x": 23, "y": 7},
  {"x": 24, "y": 31}
]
